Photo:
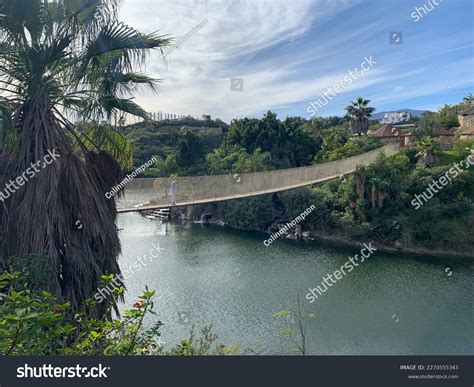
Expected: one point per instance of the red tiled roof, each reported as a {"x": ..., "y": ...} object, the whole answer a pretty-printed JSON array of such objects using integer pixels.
[
  {"x": 468, "y": 132},
  {"x": 442, "y": 132},
  {"x": 389, "y": 131}
]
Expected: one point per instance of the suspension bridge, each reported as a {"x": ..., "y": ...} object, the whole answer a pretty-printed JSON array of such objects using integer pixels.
[{"x": 190, "y": 190}]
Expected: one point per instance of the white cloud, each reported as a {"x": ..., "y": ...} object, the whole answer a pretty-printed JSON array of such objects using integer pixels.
[
  {"x": 288, "y": 52},
  {"x": 196, "y": 77}
]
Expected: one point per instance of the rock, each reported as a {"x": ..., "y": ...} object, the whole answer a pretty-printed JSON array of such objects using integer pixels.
[
  {"x": 298, "y": 230},
  {"x": 206, "y": 217},
  {"x": 398, "y": 244}
]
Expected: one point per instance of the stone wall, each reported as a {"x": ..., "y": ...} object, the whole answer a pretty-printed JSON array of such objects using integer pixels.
[{"x": 466, "y": 121}]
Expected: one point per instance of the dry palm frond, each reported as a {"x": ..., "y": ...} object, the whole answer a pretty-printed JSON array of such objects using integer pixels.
[{"x": 58, "y": 59}]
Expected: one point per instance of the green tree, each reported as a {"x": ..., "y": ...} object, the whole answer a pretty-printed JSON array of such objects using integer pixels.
[
  {"x": 227, "y": 160},
  {"x": 287, "y": 142},
  {"x": 61, "y": 59},
  {"x": 359, "y": 111},
  {"x": 428, "y": 150},
  {"x": 448, "y": 116},
  {"x": 333, "y": 139},
  {"x": 190, "y": 153},
  {"x": 428, "y": 121}
]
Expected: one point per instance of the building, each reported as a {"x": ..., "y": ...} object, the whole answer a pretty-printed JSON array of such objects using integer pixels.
[
  {"x": 445, "y": 137},
  {"x": 160, "y": 116},
  {"x": 466, "y": 117},
  {"x": 392, "y": 135},
  {"x": 467, "y": 134},
  {"x": 395, "y": 117}
]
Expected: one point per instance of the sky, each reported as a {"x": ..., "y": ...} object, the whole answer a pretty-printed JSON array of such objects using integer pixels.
[{"x": 286, "y": 53}]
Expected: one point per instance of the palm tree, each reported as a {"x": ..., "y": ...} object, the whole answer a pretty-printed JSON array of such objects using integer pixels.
[
  {"x": 428, "y": 150},
  {"x": 359, "y": 112},
  {"x": 60, "y": 60}
]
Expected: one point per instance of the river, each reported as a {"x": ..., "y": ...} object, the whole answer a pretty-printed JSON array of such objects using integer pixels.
[{"x": 388, "y": 305}]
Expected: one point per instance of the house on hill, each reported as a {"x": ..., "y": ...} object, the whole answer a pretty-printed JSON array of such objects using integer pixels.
[
  {"x": 466, "y": 117},
  {"x": 392, "y": 135},
  {"x": 467, "y": 134},
  {"x": 445, "y": 137}
]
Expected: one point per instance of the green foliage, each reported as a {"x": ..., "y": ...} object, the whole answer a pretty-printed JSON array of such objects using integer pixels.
[
  {"x": 448, "y": 116},
  {"x": 190, "y": 153},
  {"x": 248, "y": 214},
  {"x": 428, "y": 149},
  {"x": 428, "y": 121},
  {"x": 165, "y": 166},
  {"x": 248, "y": 145},
  {"x": 38, "y": 323},
  {"x": 359, "y": 111},
  {"x": 35, "y": 322},
  {"x": 319, "y": 124},
  {"x": 375, "y": 202},
  {"x": 226, "y": 160},
  {"x": 298, "y": 200},
  {"x": 338, "y": 144},
  {"x": 79, "y": 54},
  {"x": 294, "y": 326},
  {"x": 204, "y": 345},
  {"x": 168, "y": 141},
  {"x": 395, "y": 181},
  {"x": 104, "y": 138},
  {"x": 463, "y": 147},
  {"x": 286, "y": 141}
]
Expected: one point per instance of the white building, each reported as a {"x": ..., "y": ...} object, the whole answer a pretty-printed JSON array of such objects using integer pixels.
[
  {"x": 160, "y": 116},
  {"x": 395, "y": 117}
]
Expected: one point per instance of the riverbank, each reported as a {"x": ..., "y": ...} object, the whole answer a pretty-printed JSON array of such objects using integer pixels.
[
  {"x": 343, "y": 241},
  {"x": 419, "y": 251}
]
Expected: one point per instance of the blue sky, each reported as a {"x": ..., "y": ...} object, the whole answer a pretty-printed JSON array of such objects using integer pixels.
[{"x": 289, "y": 52}]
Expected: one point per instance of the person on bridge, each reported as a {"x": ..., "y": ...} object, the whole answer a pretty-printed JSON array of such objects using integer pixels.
[{"x": 174, "y": 191}]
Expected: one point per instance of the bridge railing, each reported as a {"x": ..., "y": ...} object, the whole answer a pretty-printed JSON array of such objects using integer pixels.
[{"x": 201, "y": 189}]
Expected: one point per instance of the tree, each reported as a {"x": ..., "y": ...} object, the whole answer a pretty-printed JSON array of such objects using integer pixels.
[
  {"x": 428, "y": 149},
  {"x": 428, "y": 121},
  {"x": 448, "y": 116},
  {"x": 289, "y": 145},
  {"x": 226, "y": 160},
  {"x": 359, "y": 111},
  {"x": 61, "y": 59},
  {"x": 190, "y": 153},
  {"x": 333, "y": 139}
]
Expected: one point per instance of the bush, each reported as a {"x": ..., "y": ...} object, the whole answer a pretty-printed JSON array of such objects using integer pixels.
[{"x": 37, "y": 323}]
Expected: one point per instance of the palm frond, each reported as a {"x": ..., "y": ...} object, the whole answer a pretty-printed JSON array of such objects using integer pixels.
[
  {"x": 106, "y": 139},
  {"x": 113, "y": 104},
  {"x": 7, "y": 129},
  {"x": 122, "y": 42},
  {"x": 86, "y": 11}
]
